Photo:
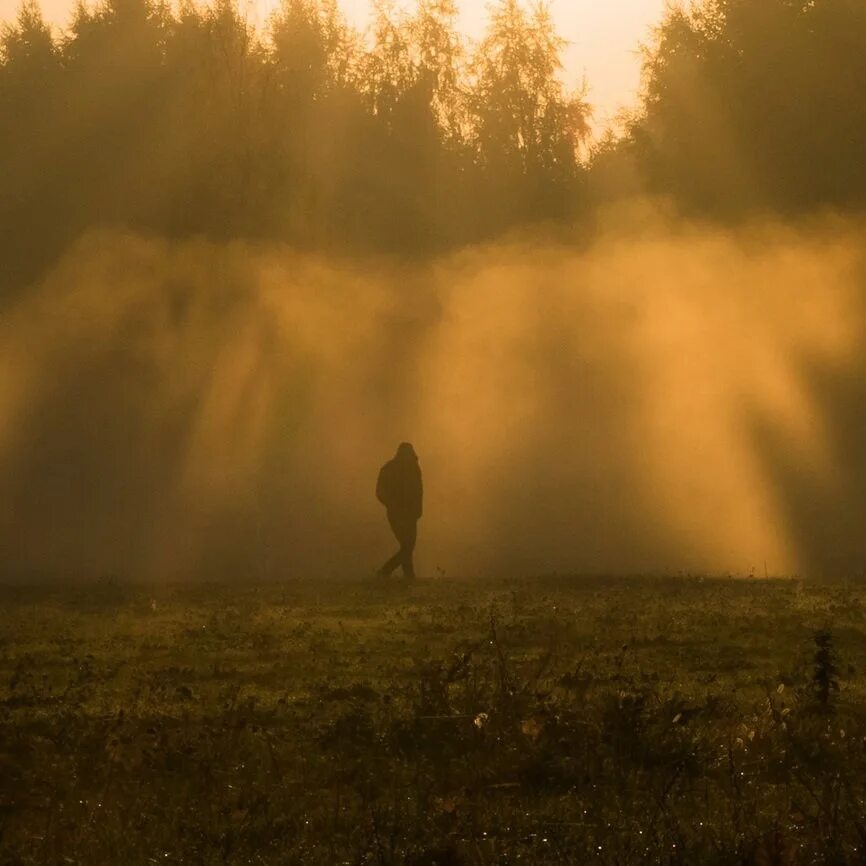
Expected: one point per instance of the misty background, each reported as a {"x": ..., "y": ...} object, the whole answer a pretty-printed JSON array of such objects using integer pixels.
[{"x": 240, "y": 268}]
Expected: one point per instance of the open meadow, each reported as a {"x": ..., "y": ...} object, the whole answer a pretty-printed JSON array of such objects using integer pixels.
[{"x": 443, "y": 722}]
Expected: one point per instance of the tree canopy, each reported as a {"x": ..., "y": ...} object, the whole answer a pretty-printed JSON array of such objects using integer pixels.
[
  {"x": 186, "y": 121},
  {"x": 756, "y": 105}
]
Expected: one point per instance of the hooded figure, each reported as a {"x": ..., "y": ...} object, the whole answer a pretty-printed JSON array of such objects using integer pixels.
[{"x": 399, "y": 489}]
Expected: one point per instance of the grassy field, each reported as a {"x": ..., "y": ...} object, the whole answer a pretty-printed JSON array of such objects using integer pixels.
[{"x": 543, "y": 721}]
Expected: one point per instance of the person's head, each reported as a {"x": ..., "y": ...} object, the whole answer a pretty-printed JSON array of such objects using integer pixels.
[{"x": 406, "y": 452}]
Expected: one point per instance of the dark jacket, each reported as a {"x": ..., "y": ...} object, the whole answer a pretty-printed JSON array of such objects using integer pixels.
[{"x": 399, "y": 486}]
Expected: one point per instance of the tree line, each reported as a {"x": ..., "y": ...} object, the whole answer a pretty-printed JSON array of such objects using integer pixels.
[
  {"x": 755, "y": 106},
  {"x": 186, "y": 121},
  {"x": 191, "y": 123}
]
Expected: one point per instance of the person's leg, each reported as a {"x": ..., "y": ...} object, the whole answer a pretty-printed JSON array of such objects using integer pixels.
[
  {"x": 397, "y": 558},
  {"x": 409, "y": 535},
  {"x": 406, "y": 531},
  {"x": 391, "y": 564}
]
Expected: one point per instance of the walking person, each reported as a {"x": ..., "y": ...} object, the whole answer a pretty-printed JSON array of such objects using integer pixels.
[{"x": 400, "y": 490}]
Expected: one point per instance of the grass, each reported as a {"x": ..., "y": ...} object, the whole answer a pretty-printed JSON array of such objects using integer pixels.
[{"x": 542, "y": 721}]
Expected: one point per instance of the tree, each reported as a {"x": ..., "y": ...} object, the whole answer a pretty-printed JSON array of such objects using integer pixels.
[
  {"x": 756, "y": 104},
  {"x": 30, "y": 70},
  {"x": 315, "y": 111},
  {"x": 183, "y": 121},
  {"x": 527, "y": 130}
]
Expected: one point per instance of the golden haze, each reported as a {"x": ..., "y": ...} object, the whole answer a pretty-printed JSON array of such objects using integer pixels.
[{"x": 182, "y": 408}]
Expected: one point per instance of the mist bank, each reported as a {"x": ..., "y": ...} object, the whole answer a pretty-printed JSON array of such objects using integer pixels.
[{"x": 668, "y": 398}]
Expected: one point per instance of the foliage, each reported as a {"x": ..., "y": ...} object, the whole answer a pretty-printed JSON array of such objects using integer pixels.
[
  {"x": 407, "y": 140},
  {"x": 756, "y": 105},
  {"x": 189, "y": 122},
  {"x": 825, "y": 668}
]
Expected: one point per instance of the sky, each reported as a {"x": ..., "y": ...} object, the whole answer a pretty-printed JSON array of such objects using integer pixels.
[{"x": 603, "y": 38}]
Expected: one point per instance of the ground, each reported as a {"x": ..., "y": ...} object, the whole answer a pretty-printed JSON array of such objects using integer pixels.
[{"x": 550, "y": 720}]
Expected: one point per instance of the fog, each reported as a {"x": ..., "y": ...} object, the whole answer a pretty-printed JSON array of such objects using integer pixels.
[{"x": 666, "y": 398}]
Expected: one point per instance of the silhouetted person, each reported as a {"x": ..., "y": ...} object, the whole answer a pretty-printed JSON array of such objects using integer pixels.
[{"x": 400, "y": 490}]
